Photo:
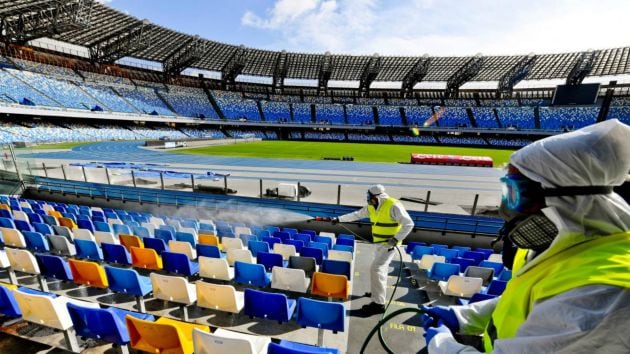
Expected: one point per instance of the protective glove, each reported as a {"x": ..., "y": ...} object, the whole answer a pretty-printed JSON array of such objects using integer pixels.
[
  {"x": 433, "y": 331},
  {"x": 392, "y": 242},
  {"x": 433, "y": 315},
  {"x": 334, "y": 221}
]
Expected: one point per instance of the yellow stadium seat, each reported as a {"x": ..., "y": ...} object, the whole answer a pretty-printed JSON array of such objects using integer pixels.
[
  {"x": 55, "y": 214},
  {"x": 206, "y": 239},
  {"x": 330, "y": 285},
  {"x": 67, "y": 222},
  {"x": 5, "y": 207},
  {"x": 164, "y": 336},
  {"x": 130, "y": 241},
  {"x": 145, "y": 258},
  {"x": 9, "y": 286},
  {"x": 88, "y": 273}
]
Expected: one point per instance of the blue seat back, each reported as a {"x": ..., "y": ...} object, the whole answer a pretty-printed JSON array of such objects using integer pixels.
[
  {"x": 50, "y": 220},
  {"x": 262, "y": 234},
  {"x": 480, "y": 297},
  {"x": 36, "y": 241},
  {"x": 332, "y": 266},
  {"x": 476, "y": 256},
  {"x": 102, "y": 226},
  {"x": 321, "y": 314},
  {"x": 463, "y": 263},
  {"x": 116, "y": 254},
  {"x": 325, "y": 240},
  {"x": 54, "y": 267},
  {"x": 257, "y": 246},
  {"x": 269, "y": 260},
  {"x": 290, "y": 231},
  {"x": 5, "y": 214},
  {"x": 282, "y": 235},
  {"x": 121, "y": 229},
  {"x": 85, "y": 224},
  {"x": 166, "y": 235},
  {"x": 186, "y": 237},
  {"x": 273, "y": 306},
  {"x": 316, "y": 253},
  {"x": 411, "y": 246},
  {"x": 461, "y": 249},
  {"x": 179, "y": 263},
  {"x": 42, "y": 228},
  {"x": 252, "y": 274},
  {"x": 190, "y": 223},
  {"x": 102, "y": 324},
  {"x": 8, "y": 305},
  {"x": 298, "y": 244},
  {"x": 344, "y": 242},
  {"x": 272, "y": 229},
  {"x": 306, "y": 238},
  {"x": 442, "y": 271},
  {"x": 498, "y": 267},
  {"x": 447, "y": 253},
  {"x": 438, "y": 245},
  {"x": 246, "y": 238},
  {"x": 23, "y": 225},
  {"x": 211, "y": 251},
  {"x": 141, "y": 231},
  {"x": 486, "y": 251},
  {"x": 345, "y": 248},
  {"x": 207, "y": 228},
  {"x": 311, "y": 233},
  {"x": 320, "y": 245},
  {"x": 496, "y": 287},
  {"x": 32, "y": 217},
  {"x": 128, "y": 281},
  {"x": 88, "y": 249},
  {"x": 271, "y": 241},
  {"x": 505, "y": 275},
  {"x": 155, "y": 243}
]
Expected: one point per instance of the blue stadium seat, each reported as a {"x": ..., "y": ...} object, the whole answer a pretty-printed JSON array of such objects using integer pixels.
[
  {"x": 442, "y": 271},
  {"x": 486, "y": 251},
  {"x": 43, "y": 228},
  {"x": 320, "y": 245},
  {"x": 8, "y": 305},
  {"x": 475, "y": 298},
  {"x": 438, "y": 245},
  {"x": 165, "y": 235},
  {"x": 325, "y": 240},
  {"x": 345, "y": 248},
  {"x": 476, "y": 256},
  {"x": 187, "y": 237},
  {"x": 262, "y": 234},
  {"x": 448, "y": 253},
  {"x": 87, "y": 249},
  {"x": 257, "y": 246},
  {"x": 291, "y": 231},
  {"x": 316, "y": 253},
  {"x": 271, "y": 241},
  {"x": 337, "y": 267},
  {"x": 283, "y": 236},
  {"x": 128, "y": 281},
  {"x": 102, "y": 226},
  {"x": 50, "y": 220},
  {"x": 273, "y": 306},
  {"x": 287, "y": 347},
  {"x": 54, "y": 267},
  {"x": 463, "y": 263},
  {"x": 32, "y": 217},
  {"x": 306, "y": 238},
  {"x": 269, "y": 260},
  {"x": 344, "y": 241},
  {"x": 179, "y": 263},
  {"x": 157, "y": 244},
  {"x": 103, "y": 324},
  {"x": 121, "y": 229},
  {"x": 5, "y": 214},
  {"x": 496, "y": 287},
  {"x": 141, "y": 231},
  {"x": 23, "y": 225},
  {"x": 117, "y": 254},
  {"x": 36, "y": 241},
  {"x": 246, "y": 238},
  {"x": 311, "y": 233},
  {"x": 298, "y": 244},
  {"x": 505, "y": 275},
  {"x": 498, "y": 267},
  {"x": 86, "y": 224},
  {"x": 321, "y": 314},
  {"x": 211, "y": 251},
  {"x": 251, "y": 274},
  {"x": 420, "y": 251}
]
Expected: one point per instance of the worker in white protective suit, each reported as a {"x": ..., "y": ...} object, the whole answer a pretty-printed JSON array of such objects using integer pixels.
[
  {"x": 571, "y": 272},
  {"x": 390, "y": 225}
]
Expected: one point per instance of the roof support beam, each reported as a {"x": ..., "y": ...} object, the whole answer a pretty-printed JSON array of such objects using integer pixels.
[
  {"x": 121, "y": 43},
  {"x": 184, "y": 56},
  {"x": 371, "y": 70},
  {"x": 416, "y": 74},
  {"x": 45, "y": 20},
  {"x": 234, "y": 66},
  {"x": 582, "y": 67},
  {"x": 517, "y": 73},
  {"x": 463, "y": 74},
  {"x": 280, "y": 70},
  {"x": 326, "y": 66}
]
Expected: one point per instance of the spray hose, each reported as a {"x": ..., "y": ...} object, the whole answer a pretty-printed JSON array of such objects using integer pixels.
[{"x": 385, "y": 317}]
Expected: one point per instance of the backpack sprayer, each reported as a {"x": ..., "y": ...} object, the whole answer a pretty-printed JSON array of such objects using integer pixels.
[{"x": 386, "y": 317}]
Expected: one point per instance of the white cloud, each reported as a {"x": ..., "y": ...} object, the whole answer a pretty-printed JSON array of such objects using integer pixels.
[{"x": 446, "y": 27}]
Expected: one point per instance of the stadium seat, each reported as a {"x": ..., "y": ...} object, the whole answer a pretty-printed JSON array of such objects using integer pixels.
[
  {"x": 257, "y": 246},
  {"x": 83, "y": 234},
  {"x": 54, "y": 267},
  {"x": 175, "y": 289},
  {"x": 486, "y": 251},
  {"x": 321, "y": 314},
  {"x": 162, "y": 336},
  {"x": 442, "y": 271},
  {"x": 269, "y": 260},
  {"x": 330, "y": 285},
  {"x": 235, "y": 255},
  {"x": 115, "y": 253},
  {"x": 183, "y": 247},
  {"x": 318, "y": 245},
  {"x": 411, "y": 245},
  {"x": 219, "y": 297},
  {"x": 103, "y": 324},
  {"x": 88, "y": 250},
  {"x": 505, "y": 275},
  {"x": 287, "y": 347},
  {"x": 209, "y": 240},
  {"x": 486, "y": 274},
  {"x": 36, "y": 241},
  {"x": 141, "y": 231},
  {"x": 327, "y": 240},
  {"x": 88, "y": 273},
  {"x": 209, "y": 251},
  {"x": 337, "y": 267},
  {"x": 179, "y": 263},
  {"x": 307, "y": 264},
  {"x": 102, "y": 226},
  {"x": 272, "y": 306},
  {"x": 67, "y": 222},
  {"x": 285, "y": 250},
  {"x": 61, "y": 245},
  {"x": 251, "y": 274},
  {"x": 50, "y": 311},
  {"x": 165, "y": 235},
  {"x": 23, "y": 225},
  {"x": 297, "y": 244},
  {"x": 475, "y": 298},
  {"x": 12, "y": 237},
  {"x": 289, "y": 279},
  {"x": 420, "y": 251},
  {"x": 23, "y": 261},
  {"x": 476, "y": 256},
  {"x": 189, "y": 237},
  {"x": 241, "y": 230},
  {"x": 464, "y": 263},
  {"x": 427, "y": 261},
  {"x": 495, "y": 257},
  {"x": 271, "y": 241},
  {"x": 224, "y": 341},
  {"x": 304, "y": 238},
  {"x": 447, "y": 253},
  {"x": 156, "y": 244},
  {"x": 460, "y": 286},
  {"x": 8, "y": 305},
  {"x": 496, "y": 287},
  {"x": 342, "y": 241},
  {"x": 128, "y": 281},
  {"x": 215, "y": 268},
  {"x": 105, "y": 237},
  {"x": 340, "y": 255},
  {"x": 130, "y": 241},
  {"x": 283, "y": 236},
  {"x": 345, "y": 248},
  {"x": 498, "y": 267},
  {"x": 316, "y": 253},
  {"x": 145, "y": 258}
]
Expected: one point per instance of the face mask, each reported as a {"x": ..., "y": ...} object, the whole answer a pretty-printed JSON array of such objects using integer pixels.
[{"x": 534, "y": 232}]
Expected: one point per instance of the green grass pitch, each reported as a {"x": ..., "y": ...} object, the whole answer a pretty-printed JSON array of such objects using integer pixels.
[{"x": 361, "y": 152}]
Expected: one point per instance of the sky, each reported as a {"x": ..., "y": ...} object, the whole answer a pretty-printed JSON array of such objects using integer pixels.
[{"x": 396, "y": 27}]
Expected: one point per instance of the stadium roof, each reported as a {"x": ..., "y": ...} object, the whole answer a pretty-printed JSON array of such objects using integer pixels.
[{"x": 112, "y": 29}]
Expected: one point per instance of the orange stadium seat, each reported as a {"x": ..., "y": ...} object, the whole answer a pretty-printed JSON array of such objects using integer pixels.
[
  {"x": 330, "y": 285},
  {"x": 88, "y": 273},
  {"x": 145, "y": 258},
  {"x": 130, "y": 241},
  {"x": 67, "y": 222},
  {"x": 162, "y": 336}
]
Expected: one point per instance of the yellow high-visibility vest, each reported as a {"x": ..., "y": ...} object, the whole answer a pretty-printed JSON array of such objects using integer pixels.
[
  {"x": 576, "y": 262},
  {"x": 383, "y": 226}
]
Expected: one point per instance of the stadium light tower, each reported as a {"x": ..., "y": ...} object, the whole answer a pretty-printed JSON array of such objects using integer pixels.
[
  {"x": 582, "y": 67},
  {"x": 369, "y": 73},
  {"x": 416, "y": 74},
  {"x": 120, "y": 43},
  {"x": 518, "y": 72},
  {"x": 22, "y": 21},
  {"x": 463, "y": 74},
  {"x": 184, "y": 56},
  {"x": 234, "y": 66}
]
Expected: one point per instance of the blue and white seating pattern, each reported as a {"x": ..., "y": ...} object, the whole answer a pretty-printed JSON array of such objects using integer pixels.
[
  {"x": 388, "y": 115},
  {"x": 360, "y": 114},
  {"x": 329, "y": 114}
]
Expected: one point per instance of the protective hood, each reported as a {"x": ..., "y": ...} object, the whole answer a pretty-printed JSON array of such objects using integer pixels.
[{"x": 597, "y": 155}]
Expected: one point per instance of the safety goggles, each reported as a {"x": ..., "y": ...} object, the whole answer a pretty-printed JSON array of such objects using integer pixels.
[{"x": 520, "y": 193}]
